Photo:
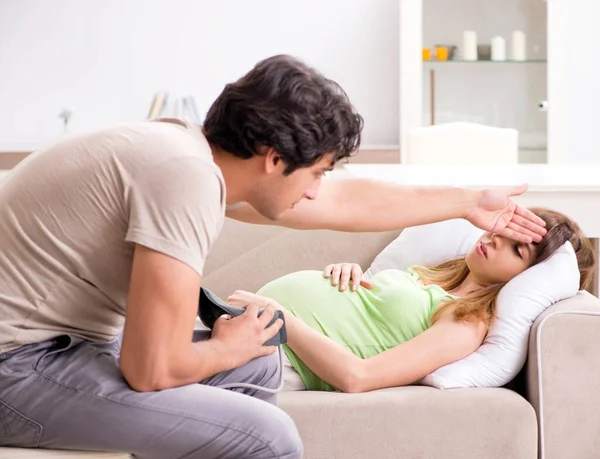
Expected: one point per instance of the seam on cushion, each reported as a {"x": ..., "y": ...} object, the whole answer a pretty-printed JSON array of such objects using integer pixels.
[
  {"x": 254, "y": 247},
  {"x": 539, "y": 368},
  {"x": 268, "y": 241}
]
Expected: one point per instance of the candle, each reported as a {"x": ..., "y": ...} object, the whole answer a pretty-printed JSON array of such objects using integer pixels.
[
  {"x": 469, "y": 51},
  {"x": 441, "y": 53},
  {"x": 517, "y": 46},
  {"x": 498, "y": 49}
]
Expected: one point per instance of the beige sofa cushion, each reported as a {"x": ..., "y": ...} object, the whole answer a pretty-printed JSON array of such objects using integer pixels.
[
  {"x": 563, "y": 377},
  {"x": 248, "y": 256},
  {"x": 414, "y": 422}
]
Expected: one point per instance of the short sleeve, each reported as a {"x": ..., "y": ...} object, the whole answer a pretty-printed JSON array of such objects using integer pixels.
[{"x": 177, "y": 208}]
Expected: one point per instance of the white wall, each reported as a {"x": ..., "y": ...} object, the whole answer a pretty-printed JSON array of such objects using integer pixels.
[
  {"x": 107, "y": 58},
  {"x": 581, "y": 109}
]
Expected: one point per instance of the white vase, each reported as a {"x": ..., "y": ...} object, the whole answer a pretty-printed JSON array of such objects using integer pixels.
[
  {"x": 517, "y": 46},
  {"x": 498, "y": 49},
  {"x": 469, "y": 49}
]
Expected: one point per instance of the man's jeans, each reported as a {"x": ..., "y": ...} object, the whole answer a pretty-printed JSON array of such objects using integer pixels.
[{"x": 69, "y": 393}]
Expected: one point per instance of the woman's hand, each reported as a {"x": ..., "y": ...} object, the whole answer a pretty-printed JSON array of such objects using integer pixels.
[
  {"x": 242, "y": 299},
  {"x": 345, "y": 273}
]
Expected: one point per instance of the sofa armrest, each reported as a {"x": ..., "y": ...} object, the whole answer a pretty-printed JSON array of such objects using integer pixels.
[{"x": 563, "y": 378}]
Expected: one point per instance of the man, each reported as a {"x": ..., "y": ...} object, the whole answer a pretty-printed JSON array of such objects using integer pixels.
[{"x": 109, "y": 231}]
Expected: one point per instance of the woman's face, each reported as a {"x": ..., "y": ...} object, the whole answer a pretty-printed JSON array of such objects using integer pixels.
[{"x": 495, "y": 259}]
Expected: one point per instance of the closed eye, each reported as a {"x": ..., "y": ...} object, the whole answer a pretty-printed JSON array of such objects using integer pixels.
[{"x": 518, "y": 252}]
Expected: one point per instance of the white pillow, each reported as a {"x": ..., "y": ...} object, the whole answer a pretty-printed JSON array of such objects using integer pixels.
[
  {"x": 504, "y": 350},
  {"x": 427, "y": 245}
]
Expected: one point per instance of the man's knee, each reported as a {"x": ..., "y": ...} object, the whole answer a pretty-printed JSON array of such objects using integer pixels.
[
  {"x": 269, "y": 433},
  {"x": 244, "y": 430},
  {"x": 285, "y": 439}
]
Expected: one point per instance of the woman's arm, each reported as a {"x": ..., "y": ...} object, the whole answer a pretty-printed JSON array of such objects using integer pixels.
[
  {"x": 331, "y": 362},
  {"x": 447, "y": 341}
]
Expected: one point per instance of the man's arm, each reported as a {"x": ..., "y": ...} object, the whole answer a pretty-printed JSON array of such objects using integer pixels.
[
  {"x": 368, "y": 205},
  {"x": 162, "y": 305},
  {"x": 371, "y": 205}
]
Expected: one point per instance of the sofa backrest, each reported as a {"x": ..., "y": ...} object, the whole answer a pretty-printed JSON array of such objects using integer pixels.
[{"x": 248, "y": 256}]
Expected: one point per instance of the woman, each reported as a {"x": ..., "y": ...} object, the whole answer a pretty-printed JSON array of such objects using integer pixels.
[{"x": 402, "y": 325}]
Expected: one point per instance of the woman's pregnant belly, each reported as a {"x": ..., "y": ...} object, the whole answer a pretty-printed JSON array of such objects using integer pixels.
[{"x": 366, "y": 321}]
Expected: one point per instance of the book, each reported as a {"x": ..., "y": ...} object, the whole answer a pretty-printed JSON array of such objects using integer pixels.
[{"x": 158, "y": 104}]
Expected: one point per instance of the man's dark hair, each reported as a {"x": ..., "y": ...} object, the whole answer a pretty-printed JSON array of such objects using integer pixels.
[{"x": 286, "y": 105}]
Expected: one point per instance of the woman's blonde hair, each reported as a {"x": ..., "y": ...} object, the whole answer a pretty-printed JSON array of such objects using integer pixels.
[{"x": 481, "y": 304}]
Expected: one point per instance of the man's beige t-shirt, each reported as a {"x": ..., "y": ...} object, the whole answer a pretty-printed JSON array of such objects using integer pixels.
[{"x": 70, "y": 217}]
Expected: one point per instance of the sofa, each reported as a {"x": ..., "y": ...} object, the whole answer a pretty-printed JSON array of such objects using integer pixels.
[{"x": 550, "y": 410}]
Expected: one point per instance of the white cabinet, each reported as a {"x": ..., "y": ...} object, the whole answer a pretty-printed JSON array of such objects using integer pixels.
[{"x": 529, "y": 95}]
